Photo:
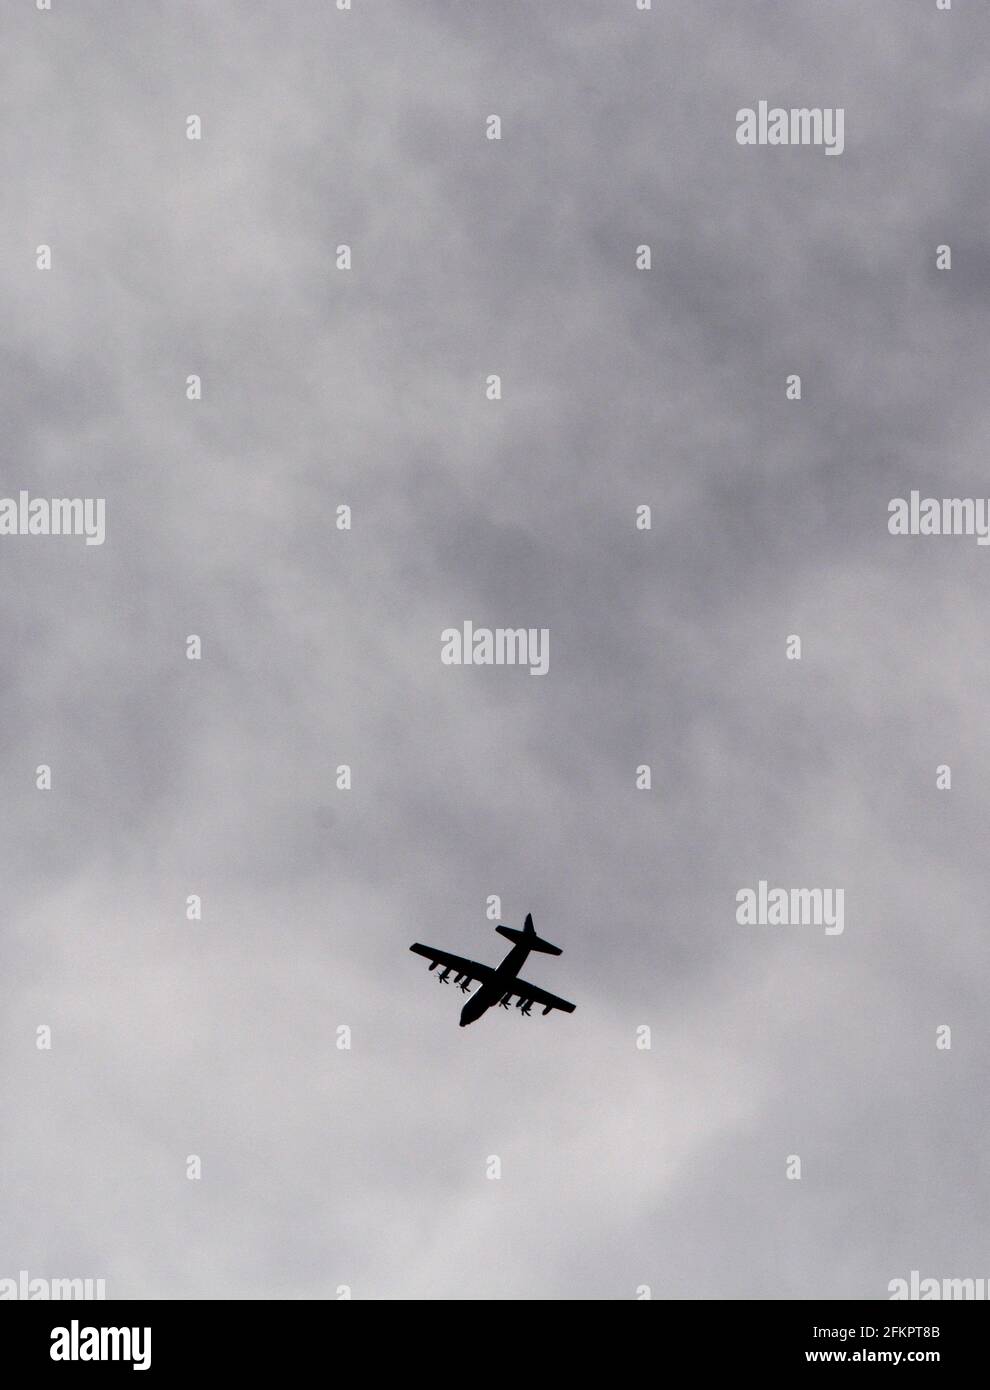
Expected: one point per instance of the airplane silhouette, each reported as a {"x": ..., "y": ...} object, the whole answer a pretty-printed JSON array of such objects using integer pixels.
[{"x": 501, "y": 982}]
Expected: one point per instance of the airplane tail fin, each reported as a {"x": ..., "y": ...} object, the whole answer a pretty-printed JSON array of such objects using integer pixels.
[{"x": 528, "y": 936}]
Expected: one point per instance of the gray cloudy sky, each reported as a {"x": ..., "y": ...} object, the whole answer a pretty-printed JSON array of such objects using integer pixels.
[{"x": 620, "y": 1167}]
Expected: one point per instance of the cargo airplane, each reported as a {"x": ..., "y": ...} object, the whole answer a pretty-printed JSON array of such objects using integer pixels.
[{"x": 500, "y": 982}]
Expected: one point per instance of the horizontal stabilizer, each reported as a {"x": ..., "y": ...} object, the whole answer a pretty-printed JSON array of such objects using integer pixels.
[{"x": 527, "y": 936}]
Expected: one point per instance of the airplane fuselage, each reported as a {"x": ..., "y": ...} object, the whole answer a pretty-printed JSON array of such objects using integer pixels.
[{"x": 493, "y": 990}]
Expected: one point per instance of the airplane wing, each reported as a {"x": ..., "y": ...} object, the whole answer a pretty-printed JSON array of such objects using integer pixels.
[
  {"x": 540, "y": 996},
  {"x": 474, "y": 968}
]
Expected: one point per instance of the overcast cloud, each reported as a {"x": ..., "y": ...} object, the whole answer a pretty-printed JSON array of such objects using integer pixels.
[{"x": 621, "y": 1167}]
